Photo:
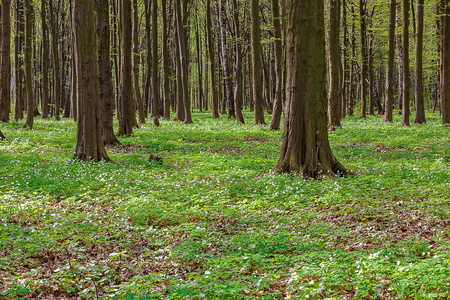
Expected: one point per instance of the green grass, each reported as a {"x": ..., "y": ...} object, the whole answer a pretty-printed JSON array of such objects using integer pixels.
[{"x": 214, "y": 222}]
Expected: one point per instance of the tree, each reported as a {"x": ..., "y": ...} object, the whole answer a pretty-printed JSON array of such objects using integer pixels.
[
  {"x": 89, "y": 145},
  {"x": 212, "y": 67},
  {"x": 305, "y": 148},
  {"x": 27, "y": 64},
  {"x": 5, "y": 72},
  {"x": 155, "y": 84},
  {"x": 389, "y": 94},
  {"x": 45, "y": 97},
  {"x": 363, "y": 19},
  {"x": 334, "y": 51},
  {"x": 18, "y": 43},
  {"x": 445, "y": 63},
  {"x": 105, "y": 73},
  {"x": 125, "y": 109},
  {"x": 406, "y": 84},
  {"x": 55, "y": 56},
  {"x": 165, "y": 58},
  {"x": 256, "y": 64},
  {"x": 419, "y": 93},
  {"x": 278, "y": 48},
  {"x": 135, "y": 62},
  {"x": 238, "y": 68}
]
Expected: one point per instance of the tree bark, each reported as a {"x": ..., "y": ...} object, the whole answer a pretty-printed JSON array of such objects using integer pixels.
[
  {"x": 238, "y": 67},
  {"x": 105, "y": 73},
  {"x": 135, "y": 61},
  {"x": 278, "y": 49},
  {"x": 256, "y": 65},
  {"x": 389, "y": 94},
  {"x": 155, "y": 85},
  {"x": 45, "y": 97},
  {"x": 184, "y": 64},
  {"x": 18, "y": 46},
  {"x": 306, "y": 149},
  {"x": 89, "y": 145},
  {"x": 5, "y": 72},
  {"x": 406, "y": 83},
  {"x": 445, "y": 64},
  {"x": 363, "y": 17},
  {"x": 27, "y": 65},
  {"x": 212, "y": 59},
  {"x": 334, "y": 51},
  {"x": 126, "y": 111},
  {"x": 399, "y": 42},
  {"x": 55, "y": 56},
  {"x": 165, "y": 58},
  {"x": 419, "y": 87}
]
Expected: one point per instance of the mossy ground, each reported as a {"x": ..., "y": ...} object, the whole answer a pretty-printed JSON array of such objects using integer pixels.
[{"x": 214, "y": 222}]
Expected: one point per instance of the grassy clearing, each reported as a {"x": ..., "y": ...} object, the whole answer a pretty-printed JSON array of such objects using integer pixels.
[{"x": 213, "y": 221}]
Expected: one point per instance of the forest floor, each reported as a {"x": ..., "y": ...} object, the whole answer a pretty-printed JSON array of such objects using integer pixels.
[{"x": 214, "y": 222}]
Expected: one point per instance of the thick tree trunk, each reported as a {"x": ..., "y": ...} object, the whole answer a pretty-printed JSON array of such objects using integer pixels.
[
  {"x": 334, "y": 51},
  {"x": 89, "y": 145},
  {"x": 389, "y": 94},
  {"x": 406, "y": 83},
  {"x": 212, "y": 59},
  {"x": 419, "y": 87},
  {"x": 238, "y": 67},
  {"x": 363, "y": 17},
  {"x": 225, "y": 61},
  {"x": 105, "y": 73},
  {"x": 278, "y": 49},
  {"x": 184, "y": 64},
  {"x": 445, "y": 64},
  {"x": 155, "y": 83},
  {"x": 5, "y": 72},
  {"x": 126, "y": 111},
  {"x": 27, "y": 65},
  {"x": 256, "y": 64},
  {"x": 165, "y": 59},
  {"x": 306, "y": 149}
]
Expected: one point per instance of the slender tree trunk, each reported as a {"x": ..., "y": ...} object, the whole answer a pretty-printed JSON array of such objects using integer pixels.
[
  {"x": 238, "y": 67},
  {"x": 278, "y": 45},
  {"x": 389, "y": 94},
  {"x": 105, "y": 73},
  {"x": 55, "y": 56},
  {"x": 135, "y": 61},
  {"x": 18, "y": 45},
  {"x": 334, "y": 51},
  {"x": 399, "y": 42},
  {"x": 306, "y": 149},
  {"x": 406, "y": 83},
  {"x": 256, "y": 64},
  {"x": 165, "y": 59},
  {"x": 363, "y": 19},
  {"x": 179, "y": 113},
  {"x": 89, "y": 145},
  {"x": 45, "y": 99},
  {"x": 212, "y": 67},
  {"x": 371, "y": 76},
  {"x": 345, "y": 61},
  {"x": 155, "y": 84},
  {"x": 27, "y": 65},
  {"x": 5, "y": 72},
  {"x": 184, "y": 64},
  {"x": 419, "y": 87},
  {"x": 351, "y": 87}
]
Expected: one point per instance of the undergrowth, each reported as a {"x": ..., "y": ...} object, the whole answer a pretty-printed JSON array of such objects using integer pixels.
[{"x": 214, "y": 222}]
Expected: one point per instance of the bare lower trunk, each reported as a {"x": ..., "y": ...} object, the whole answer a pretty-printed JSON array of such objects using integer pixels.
[
  {"x": 279, "y": 92},
  {"x": 363, "y": 16},
  {"x": 238, "y": 83},
  {"x": 27, "y": 65},
  {"x": 406, "y": 83},
  {"x": 389, "y": 94},
  {"x": 165, "y": 59},
  {"x": 256, "y": 64},
  {"x": 212, "y": 67},
  {"x": 419, "y": 91},
  {"x": 445, "y": 64},
  {"x": 135, "y": 60},
  {"x": 5, "y": 72},
  {"x": 334, "y": 51},
  {"x": 55, "y": 56}
]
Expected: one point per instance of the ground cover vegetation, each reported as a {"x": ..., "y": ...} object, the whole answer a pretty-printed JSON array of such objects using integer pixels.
[{"x": 214, "y": 222}]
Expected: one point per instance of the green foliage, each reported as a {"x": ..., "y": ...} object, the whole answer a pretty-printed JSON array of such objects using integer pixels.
[{"x": 213, "y": 221}]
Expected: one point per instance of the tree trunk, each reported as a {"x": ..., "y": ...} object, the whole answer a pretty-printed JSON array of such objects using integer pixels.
[
  {"x": 165, "y": 59},
  {"x": 419, "y": 90},
  {"x": 5, "y": 72},
  {"x": 2, "y": 137},
  {"x": 406, "y": 83},
  {"x": 306, "y": 149},
  {"x": 155, "y": 85},
  {"x": 45, "y": 97},
  {"x": 399, "y": 42},
  {"x": 89, "y": 130},
  {"x": 363, "y": 17},
  {"x": 225, "y": 61},
  {"x": 105, "y": 73},
  {"x": 55, "y": 56},
  {"x": 184, "y": 64},
  {"x": 334, "y": 51},
  {"x": 135, "y": 61},
  {"x": 126, "y": 111},
  {"x": 18, "y": 46},
  {"x": 179, "y": 113},
  {"x": 27, "y": 65},
  {"x": 256, "y": 64},
  {"x": 278, "y": 45},
  {"x": 371, "y": 76},
  {"x": 445, "y": 64},
  {"x": 389, "y": 94},
  {"x": 238, "y": 67},
  {"x": 212, "y": 59}
]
